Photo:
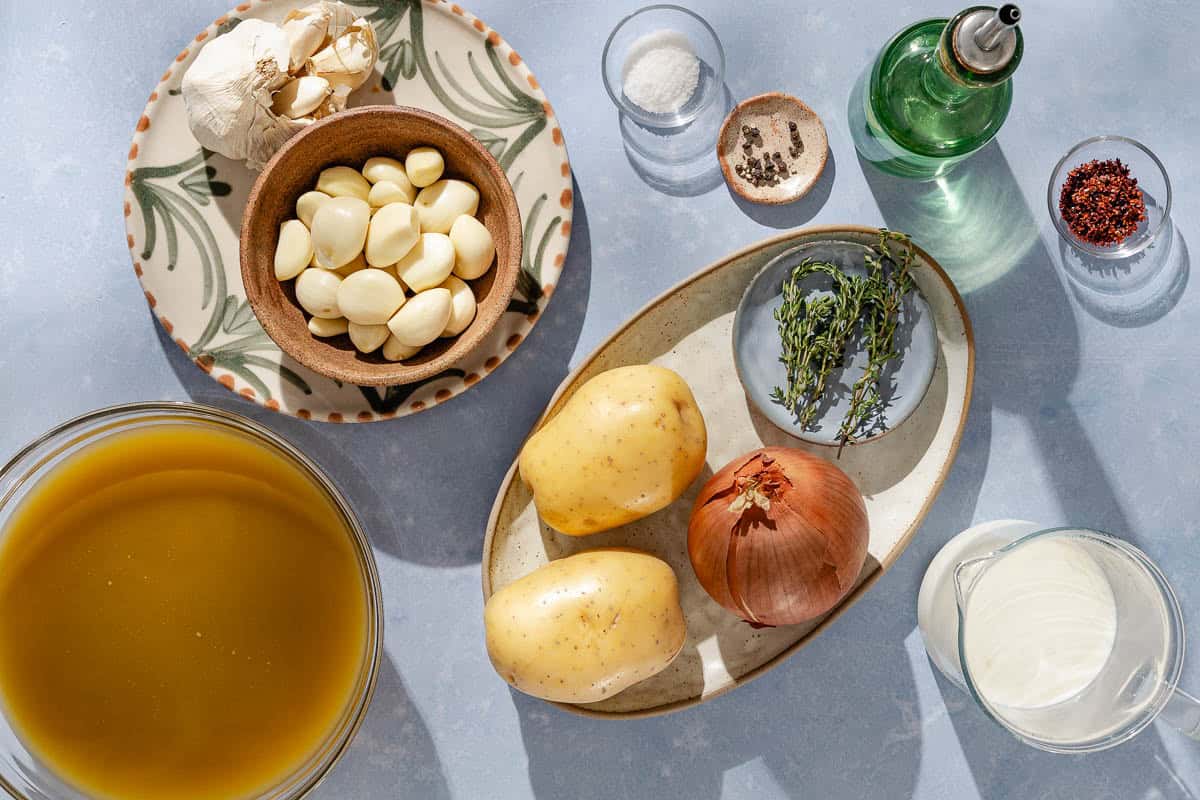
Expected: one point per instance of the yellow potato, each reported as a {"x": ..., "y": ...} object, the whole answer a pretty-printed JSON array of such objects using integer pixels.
[
  {"x": 627, "y": 444},
  {"x": 583, "y": 628}
]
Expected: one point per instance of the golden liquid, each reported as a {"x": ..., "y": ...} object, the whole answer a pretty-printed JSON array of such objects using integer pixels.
[{"x": 182, "y": 615}]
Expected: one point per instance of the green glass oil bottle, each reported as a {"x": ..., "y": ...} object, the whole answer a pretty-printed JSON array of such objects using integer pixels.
[{"x": 938, "y": 91}]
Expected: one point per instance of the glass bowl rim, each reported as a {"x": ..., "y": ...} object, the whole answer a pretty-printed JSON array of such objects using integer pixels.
[
  {"x": 308, "y": 775},
  {"x": 1055, "y": 188},
  {"x": 644, "y": 117}
]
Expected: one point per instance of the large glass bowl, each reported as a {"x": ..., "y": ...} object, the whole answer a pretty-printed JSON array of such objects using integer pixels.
[
  {"x": 22, "y": 774},
  {"x": 703, "y": 40},
  {"x": 1151, "y": 177}
]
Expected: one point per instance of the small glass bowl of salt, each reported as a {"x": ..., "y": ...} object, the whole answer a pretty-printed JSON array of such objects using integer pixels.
[{"x": 663, "y": 66}]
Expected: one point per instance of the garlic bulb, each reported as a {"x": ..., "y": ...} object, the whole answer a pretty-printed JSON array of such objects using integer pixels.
[{"x": 253, "y": 88}]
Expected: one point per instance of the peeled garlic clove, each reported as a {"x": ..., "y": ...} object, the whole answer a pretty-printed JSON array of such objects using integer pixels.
[
  {"x": 308, "y": 204},
  {"x": 354, "y": 265},
  {"x": 462, "y": 306},
  {"x": 368, "y": 338},
  {"x": 423, "y": 165},
  {"x": 422, "y": 318},
  {"x": 445, "y": 201},
  {"x": 319, "y": 326},
  {"x": 293, "y": 251},
  {"x": 382, "y": 168},
  {"x": 306, "y": 29},
  {"x": 385, "y": 192},
  {"x": 369, "y": 297},
  {"x": 473, "y": 247},
  {"x": 343, "y": 182},
  {"x": 428, "y": 263},
  {"x": 394, "y": 230},
  {"x": 317, "y": 290},
  {"x": 394, "y": 351},
  {"x": 348, "y": 59},
  {"x": 339, "y": 229},
  {"x": 300, "y": 97}
]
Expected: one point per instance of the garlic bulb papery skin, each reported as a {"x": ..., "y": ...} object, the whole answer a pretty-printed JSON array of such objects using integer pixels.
[
  {"x": 253, "y": 88},
  {"x": 348, "y": 60},
  {"x": 227, "y": 91}
]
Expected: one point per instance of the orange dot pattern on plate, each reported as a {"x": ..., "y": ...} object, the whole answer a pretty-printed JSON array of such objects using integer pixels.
[
  {"x": 206, "y": 362},
  {"x": 548, "y": 290},
  {"x": 129, "y": 240},
  {"x": 167, "y": 326}
]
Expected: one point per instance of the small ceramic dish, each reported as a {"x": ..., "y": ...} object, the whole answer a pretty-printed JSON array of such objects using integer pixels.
[
  {"x": 756, "y": 347},
  {"x": 770, "y": 114},
  {"x": 350, "y": 138},
  {"x": 1143, "y": 165}
]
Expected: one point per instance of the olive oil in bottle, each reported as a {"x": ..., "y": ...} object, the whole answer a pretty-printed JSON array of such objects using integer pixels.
[{"x": 938, "y": 91}]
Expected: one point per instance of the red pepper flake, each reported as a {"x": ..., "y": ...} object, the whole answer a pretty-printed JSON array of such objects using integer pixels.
[{"x": 1101, "y": 203}]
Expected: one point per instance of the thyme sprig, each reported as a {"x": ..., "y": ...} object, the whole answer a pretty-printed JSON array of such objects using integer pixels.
[{"x": 815, "y": 330}]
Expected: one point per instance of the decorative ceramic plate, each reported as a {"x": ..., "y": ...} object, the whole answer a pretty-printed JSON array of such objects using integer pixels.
[
  {"x": 183, "y": 206},
  {"x": 688, "y": 329},
  {"x": 756, "y": 348}
]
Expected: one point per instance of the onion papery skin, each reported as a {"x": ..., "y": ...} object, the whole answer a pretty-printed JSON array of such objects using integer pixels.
[{"x": 790, "y": 561}]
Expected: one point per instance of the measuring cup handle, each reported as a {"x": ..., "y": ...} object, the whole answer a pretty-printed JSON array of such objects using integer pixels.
[{"x": 1182, "y": 711}]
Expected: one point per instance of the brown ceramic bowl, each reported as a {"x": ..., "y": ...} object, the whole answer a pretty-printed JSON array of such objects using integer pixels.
[{"x": 350, "y": 138}]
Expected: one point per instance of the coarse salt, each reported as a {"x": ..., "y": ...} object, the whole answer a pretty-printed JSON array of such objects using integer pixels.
[{"x": 661, "y": 72}]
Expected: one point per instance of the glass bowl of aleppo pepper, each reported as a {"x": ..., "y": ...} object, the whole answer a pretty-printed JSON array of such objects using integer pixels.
[{"x": 1109, "y": 197}]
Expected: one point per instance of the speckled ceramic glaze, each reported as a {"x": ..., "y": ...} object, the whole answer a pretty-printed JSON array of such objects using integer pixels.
[
  {"x": 688, "y": 329},
  {"x": 183, "y": 207},
  {"x": 771, "y": 113},
  {"x": 756, "y": 347}
]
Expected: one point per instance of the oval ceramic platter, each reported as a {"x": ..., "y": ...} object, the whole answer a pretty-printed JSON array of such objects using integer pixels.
[
  {"x": 689, "y": 329},
  {"x": 183, "y": 206}
]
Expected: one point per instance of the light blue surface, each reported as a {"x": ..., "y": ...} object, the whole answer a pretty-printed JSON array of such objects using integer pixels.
[{"x": 1084, "y": 409}]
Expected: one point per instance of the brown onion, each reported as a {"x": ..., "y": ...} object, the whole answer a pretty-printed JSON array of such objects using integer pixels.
[{"x": 778, "y": 536}]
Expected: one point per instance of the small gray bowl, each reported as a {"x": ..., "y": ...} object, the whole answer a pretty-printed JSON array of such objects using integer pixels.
[{"x": 756, "y": 348}]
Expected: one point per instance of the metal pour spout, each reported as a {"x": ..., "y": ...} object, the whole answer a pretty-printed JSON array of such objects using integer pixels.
[
  {"x": 992, "y": 32},
  {"x": 985, "y": 40}
]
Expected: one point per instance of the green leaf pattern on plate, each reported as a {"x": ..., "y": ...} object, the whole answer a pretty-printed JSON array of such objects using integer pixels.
[{"x": 478, "y": 90}]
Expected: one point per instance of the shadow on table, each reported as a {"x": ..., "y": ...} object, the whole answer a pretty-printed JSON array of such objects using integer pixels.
[
  {"x": 1130, "y": 292},
  {"x": 819, "y": 725},
  {"x": 791, "y": 215},
  {"x": 680, "y": 162},
  {"x": 976, "y": 223},
  {"x": 392, "y": 754},
  {"x": 423, "y": 485}
]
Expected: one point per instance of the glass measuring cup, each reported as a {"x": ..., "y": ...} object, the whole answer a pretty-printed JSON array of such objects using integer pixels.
[{"x": 1087, "y": 686}]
